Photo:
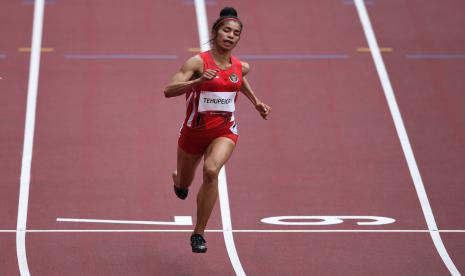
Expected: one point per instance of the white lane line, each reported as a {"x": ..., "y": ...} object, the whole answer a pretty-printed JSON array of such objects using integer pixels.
[
  {"x": 403, "y": 137},
  {"x": 29, "y": 136},
  {"x": 462, "y": 231},
  {"x": 227, "y": 226},
  {"x": 202, "y": 25},
  {"x": 178, "y": 220}
]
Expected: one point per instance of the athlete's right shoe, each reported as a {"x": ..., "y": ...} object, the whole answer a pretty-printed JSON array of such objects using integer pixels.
[
  {"x": 198, "y": 243},
  {"x": 180, "y": 192}
]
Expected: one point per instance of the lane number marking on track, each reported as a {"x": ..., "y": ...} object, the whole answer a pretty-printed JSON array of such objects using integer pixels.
[
  {"x": 326, "y": 220},
  {"x": 278, "y": 220}
]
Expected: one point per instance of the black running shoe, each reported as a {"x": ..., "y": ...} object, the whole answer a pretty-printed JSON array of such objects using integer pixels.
[
  {"x": 180, "y": 192},
  {"x": 198, "y": 243}
]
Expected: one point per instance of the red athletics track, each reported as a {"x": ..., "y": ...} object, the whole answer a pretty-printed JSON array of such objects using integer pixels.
[
  {"x": 335, "y": 152},
  {"x": 106, "y": 142},
  {"x": 15, "y": 33},
  {"x": 430, "y": 95},
  {"x": 105, "y": 146}
]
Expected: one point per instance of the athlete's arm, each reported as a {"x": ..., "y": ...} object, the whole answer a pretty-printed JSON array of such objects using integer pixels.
[
  {"x": 182, "y": 81},
  {"x": 263, "y": 108}
]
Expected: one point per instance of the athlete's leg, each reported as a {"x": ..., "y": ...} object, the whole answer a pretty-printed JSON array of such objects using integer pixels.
[
  {"x": 216, "y": 155},
  {"x": 186, "y": 165}
]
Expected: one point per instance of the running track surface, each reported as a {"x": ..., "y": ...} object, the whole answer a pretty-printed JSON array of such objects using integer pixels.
[{"x": 105, "y": 138}]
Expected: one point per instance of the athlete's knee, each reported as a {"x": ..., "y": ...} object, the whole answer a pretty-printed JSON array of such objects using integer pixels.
[{"x": 211, "y": 171}]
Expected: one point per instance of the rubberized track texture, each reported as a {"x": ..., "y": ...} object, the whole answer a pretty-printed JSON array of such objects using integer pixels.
[{"x": 358, "y": 170}]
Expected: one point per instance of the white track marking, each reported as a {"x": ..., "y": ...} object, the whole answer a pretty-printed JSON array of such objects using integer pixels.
[
  {"x": 178, "y": 220},
  {"x": 326, "y": 220},
  {"x": 29, "y": 136},
  {"x": 202, "y": 26},
  {"x": 403, "y": 137},
  {"x": 226, "y": 220},
  {"x": 234, "y": 231}
]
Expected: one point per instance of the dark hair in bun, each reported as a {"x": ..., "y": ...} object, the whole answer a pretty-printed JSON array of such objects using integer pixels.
[
  {"x": 225, "y": 14},
  {"x": 228, "y": 11}
]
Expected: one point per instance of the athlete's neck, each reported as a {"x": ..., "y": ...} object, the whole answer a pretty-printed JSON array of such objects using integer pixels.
[{"x": 221, "y": 57}]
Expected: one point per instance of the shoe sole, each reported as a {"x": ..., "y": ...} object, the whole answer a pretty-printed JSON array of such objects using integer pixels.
[{"x": 199, "y": 250}]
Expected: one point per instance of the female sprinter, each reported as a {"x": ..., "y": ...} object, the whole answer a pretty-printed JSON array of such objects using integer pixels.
[{"x": 211, "y": 81}]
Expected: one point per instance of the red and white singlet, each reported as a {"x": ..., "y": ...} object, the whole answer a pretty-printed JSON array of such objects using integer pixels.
[{"x": 210, "y": 107}]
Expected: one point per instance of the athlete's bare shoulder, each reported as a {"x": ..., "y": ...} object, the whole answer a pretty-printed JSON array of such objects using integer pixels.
[
  {"x": 194, "y": 63},
  {"x": 245, "y": 68}
]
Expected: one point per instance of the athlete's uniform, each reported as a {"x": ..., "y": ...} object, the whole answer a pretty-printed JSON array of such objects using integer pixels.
[{"x": 210, "y": 107}]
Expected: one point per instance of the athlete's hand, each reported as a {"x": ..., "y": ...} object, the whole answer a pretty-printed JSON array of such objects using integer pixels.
[
  {"x": 209, "y": 74},
  {"x": 264, "y": 109}
]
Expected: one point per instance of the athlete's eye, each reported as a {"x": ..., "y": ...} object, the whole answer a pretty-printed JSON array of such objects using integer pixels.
[{"x": 237, "y": 33}]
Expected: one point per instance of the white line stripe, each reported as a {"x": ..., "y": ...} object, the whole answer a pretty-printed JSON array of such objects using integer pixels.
[
  {"x": 403, "y": 137},
  {"x": 202, "y": 25},
  {"x": 227, "y": 226},
  {"x": 194, "y": 109},
  {"x": 29, "y": 136},
  {"x": 221, "y": 231},
  {"x": 178, "y": 220}
]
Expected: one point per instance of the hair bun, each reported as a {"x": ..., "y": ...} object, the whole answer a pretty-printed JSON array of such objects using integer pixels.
[{"x": 228, "y": 12}]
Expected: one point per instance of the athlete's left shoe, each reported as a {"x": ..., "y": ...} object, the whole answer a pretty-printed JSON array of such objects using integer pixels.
[
  {"x": 180, "y": 192},
  {"x": 198, "y": 243}
]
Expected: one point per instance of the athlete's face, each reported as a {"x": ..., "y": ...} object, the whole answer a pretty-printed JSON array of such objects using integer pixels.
[{"x": 228, "y": 35}]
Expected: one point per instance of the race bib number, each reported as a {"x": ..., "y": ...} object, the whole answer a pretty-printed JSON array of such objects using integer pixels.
[{"x": 217, "y": 101}]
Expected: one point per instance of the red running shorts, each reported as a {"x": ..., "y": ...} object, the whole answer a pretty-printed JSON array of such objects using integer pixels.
[{"x": 195, "y": 141}]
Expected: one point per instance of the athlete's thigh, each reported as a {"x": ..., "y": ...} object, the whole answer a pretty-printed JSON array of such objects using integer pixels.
[
  {"x": 218, "y": 152},
  {"x": 186, "y": 165}
]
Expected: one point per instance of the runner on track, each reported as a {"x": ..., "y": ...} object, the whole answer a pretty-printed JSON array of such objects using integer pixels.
[{"x": 211, "y": 81}]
